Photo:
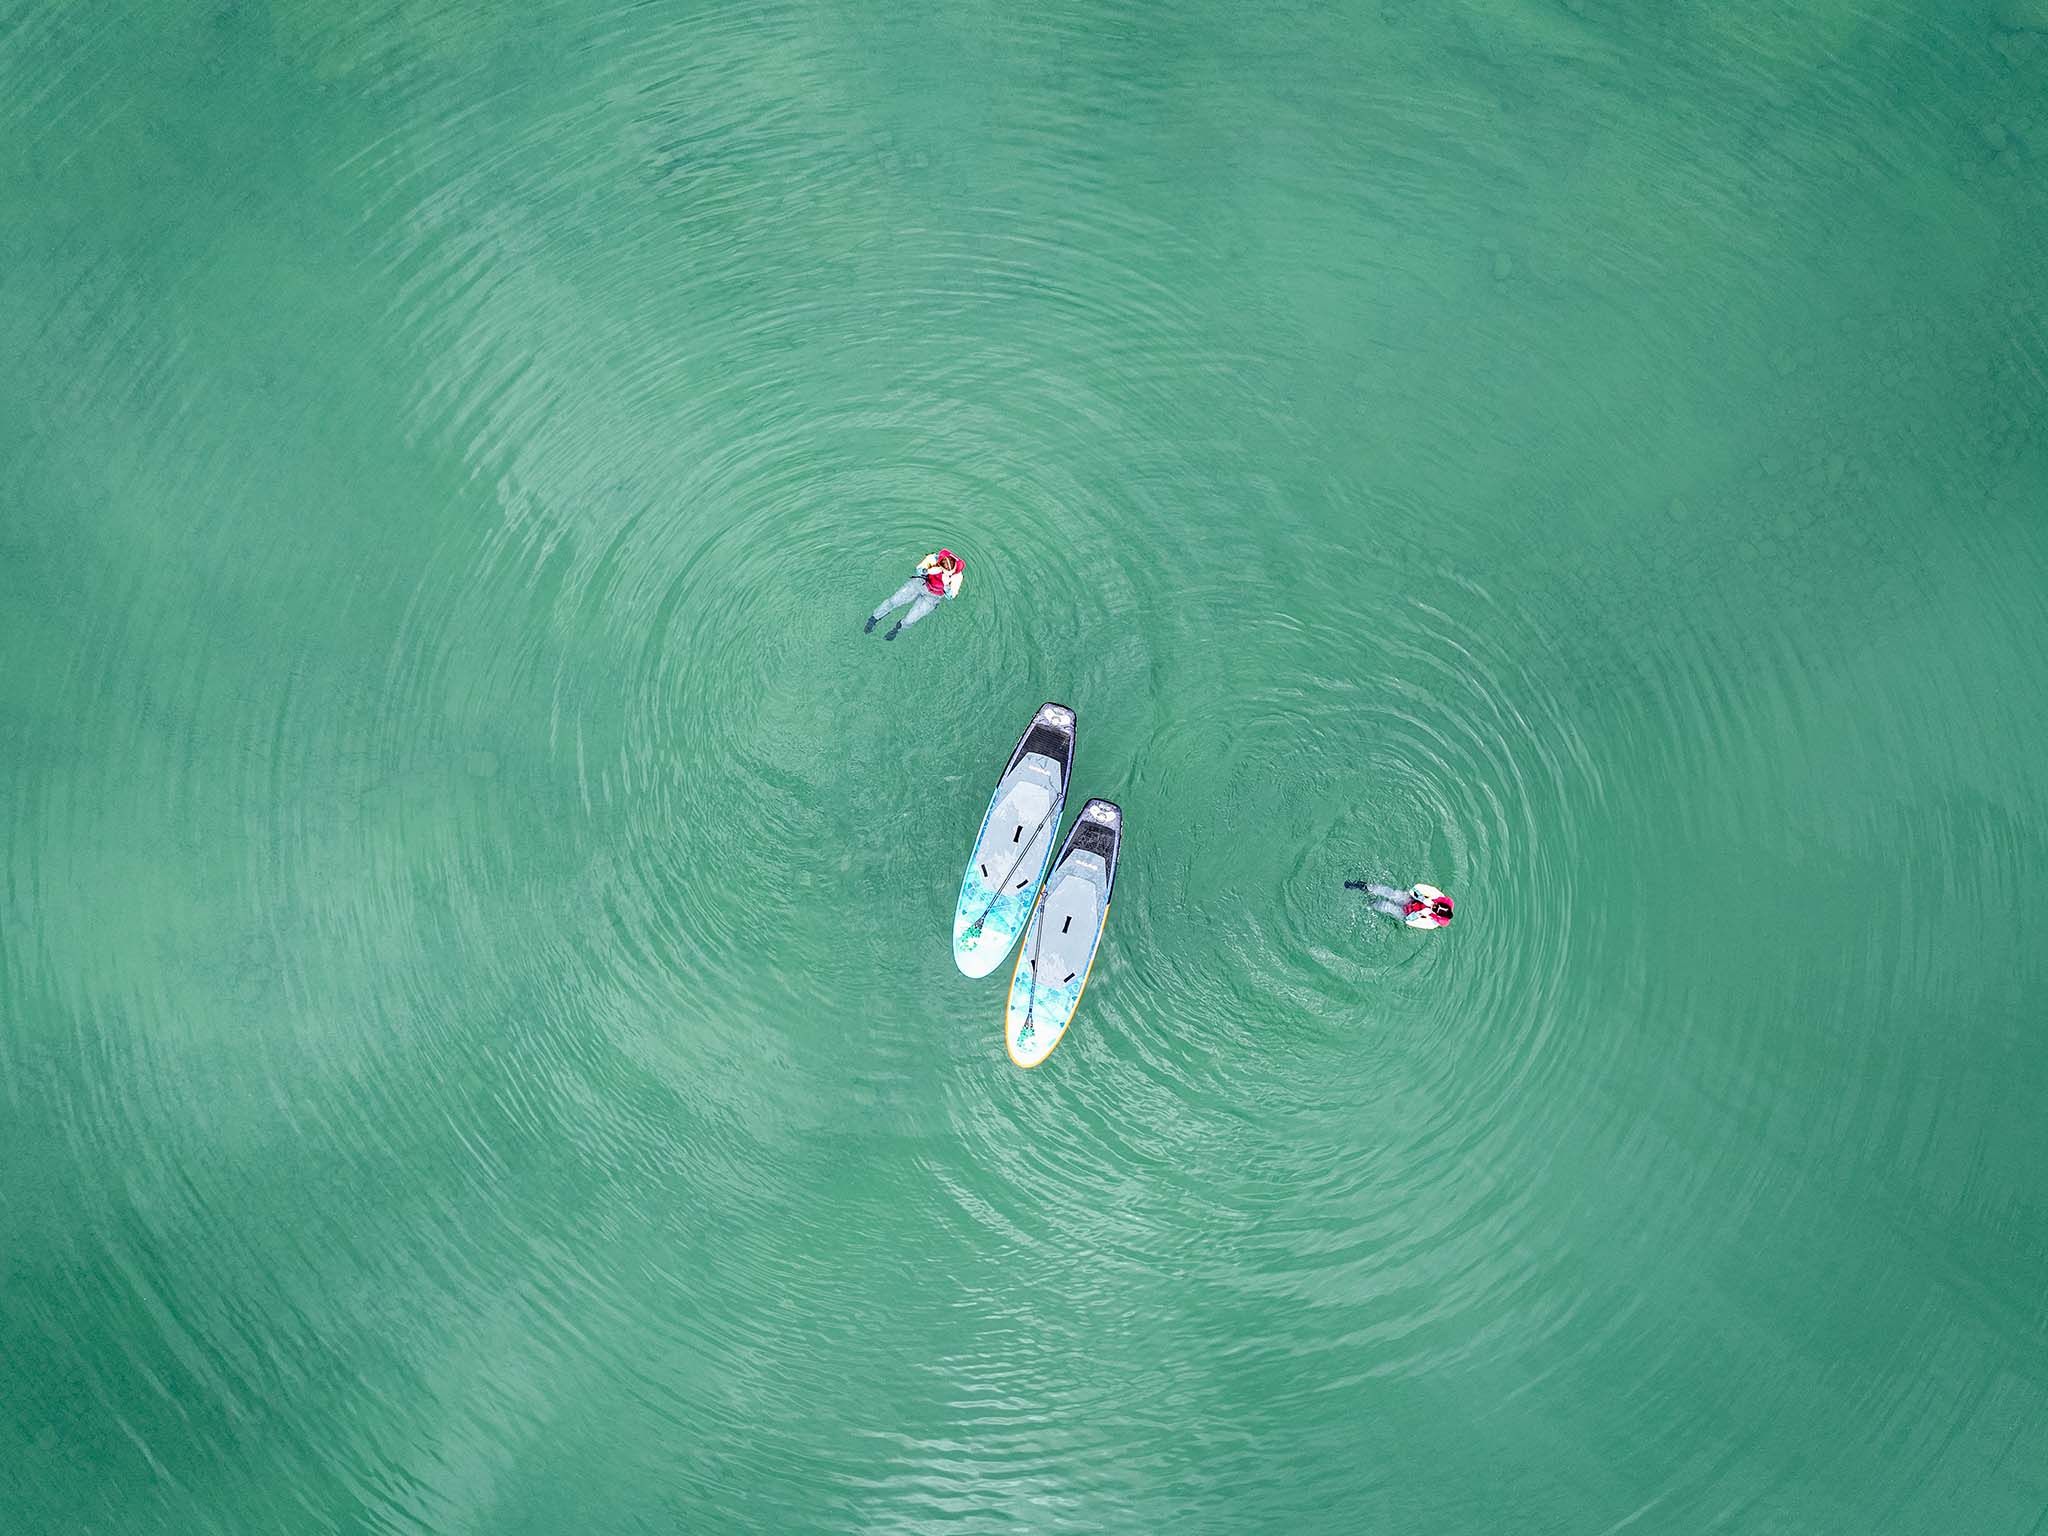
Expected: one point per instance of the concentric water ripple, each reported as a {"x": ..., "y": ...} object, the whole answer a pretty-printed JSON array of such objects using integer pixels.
[{"x": 478, "y": 1043}]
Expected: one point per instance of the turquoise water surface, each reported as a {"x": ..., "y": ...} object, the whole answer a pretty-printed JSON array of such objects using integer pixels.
[{"x": 479, "y": 1047}]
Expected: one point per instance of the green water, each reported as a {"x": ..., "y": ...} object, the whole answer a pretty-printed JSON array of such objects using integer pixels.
[{"x": 478, "y": 1045}]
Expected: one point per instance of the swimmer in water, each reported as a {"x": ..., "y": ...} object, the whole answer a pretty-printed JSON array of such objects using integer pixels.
[
  {"x": 937, "y": 579},
  {"x": 1420, "y": 906}
]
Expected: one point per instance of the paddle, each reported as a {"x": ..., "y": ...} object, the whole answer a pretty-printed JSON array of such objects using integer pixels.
[
  {"x": 973, "y": 930},
  {"x": 1031, "y": 1003}
]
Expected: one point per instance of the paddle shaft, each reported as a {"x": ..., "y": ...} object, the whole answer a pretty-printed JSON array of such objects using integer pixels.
[
  {"x": 975, "y": 926},
  {"x": 1031, "y": 1003}
]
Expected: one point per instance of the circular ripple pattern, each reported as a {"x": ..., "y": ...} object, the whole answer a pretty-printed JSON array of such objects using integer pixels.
[{"x": 479, "y": 1043}]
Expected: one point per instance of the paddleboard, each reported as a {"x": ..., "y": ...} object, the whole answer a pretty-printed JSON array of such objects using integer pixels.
[
  {"x": 1064, "y": 934},
  {"x": 1014, "y": 843}
]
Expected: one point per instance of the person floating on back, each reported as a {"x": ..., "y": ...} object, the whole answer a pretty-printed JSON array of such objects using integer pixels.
[
  {"x": 1420, "y": 906},
  {"x": 938, "y": 576}
]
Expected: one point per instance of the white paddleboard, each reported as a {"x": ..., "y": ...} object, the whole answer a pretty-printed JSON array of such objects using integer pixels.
[
  {"x": 1064, "y": 934},
  {"x": 1014, "y": 843}
]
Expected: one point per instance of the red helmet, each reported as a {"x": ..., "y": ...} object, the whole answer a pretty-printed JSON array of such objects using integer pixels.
[{"x": 947, "y": 557}]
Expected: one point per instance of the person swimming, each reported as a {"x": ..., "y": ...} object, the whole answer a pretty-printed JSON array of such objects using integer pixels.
[
  {"x": 937, "y": 578},
  {"x": 1420, "y": 906}
]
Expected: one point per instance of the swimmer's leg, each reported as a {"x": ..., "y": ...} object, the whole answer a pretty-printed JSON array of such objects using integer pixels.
[
  {"x": 1392, "y": 909},
  {"x": 907, "y": 593},
  {"x": 1388, "y": 893},
  {"x": 926, "y": 602}
]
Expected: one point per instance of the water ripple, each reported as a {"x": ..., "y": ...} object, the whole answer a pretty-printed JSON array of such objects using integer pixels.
[{"x": 476, "y": 1029}]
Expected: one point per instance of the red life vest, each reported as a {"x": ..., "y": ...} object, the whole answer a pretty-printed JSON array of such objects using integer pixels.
[{"x": 935, "y": 579}]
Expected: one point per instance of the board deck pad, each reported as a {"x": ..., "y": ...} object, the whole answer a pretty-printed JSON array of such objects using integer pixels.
[
  {"x": 1015, "y": 842},
  {"x": 1063, "y": 937}
]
